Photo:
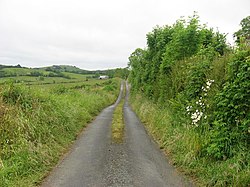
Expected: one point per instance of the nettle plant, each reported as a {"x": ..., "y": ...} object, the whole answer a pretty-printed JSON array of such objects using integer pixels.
[{"x": 197, "y": 111}]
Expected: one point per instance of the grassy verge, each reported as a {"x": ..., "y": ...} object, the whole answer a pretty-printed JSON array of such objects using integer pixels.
[
  {"x": 182, "y": 145},
  {"x": 118, "y": 122},
  {"x": 37, "y": 125}
]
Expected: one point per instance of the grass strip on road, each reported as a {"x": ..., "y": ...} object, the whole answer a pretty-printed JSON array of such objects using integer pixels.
[{"x": 118, "y": 121}]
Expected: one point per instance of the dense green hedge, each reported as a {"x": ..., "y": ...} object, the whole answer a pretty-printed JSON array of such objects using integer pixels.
[{"x": 189, "y": 70}]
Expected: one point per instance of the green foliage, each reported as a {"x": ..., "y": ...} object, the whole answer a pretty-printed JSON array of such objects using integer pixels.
[
  {"x": 61, "y": 89},
  {"x": 65, "y": 68},
  {"x": 151, "y": 68},
  {"x": 183, "y": 145},
  {"x": 110, "y": 85},
  {"x": 136, "y": 62},
  {"x": 15, "y": 95},
  {"x": 196, "y": 78},
  {"x": 36, "y": 73},
  {"x": 189, "y": 73},
  {"x": 39, "y": 123},
  {"x": 121, "y": 73},
  {"x": 244, "y": 33},
  {"x": 232, "y": 114}
]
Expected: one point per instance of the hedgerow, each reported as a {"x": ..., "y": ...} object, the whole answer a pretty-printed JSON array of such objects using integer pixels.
[{"x": 203, "y": 83}]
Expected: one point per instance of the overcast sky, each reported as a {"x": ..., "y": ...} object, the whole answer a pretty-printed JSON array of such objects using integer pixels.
[{"x": 98, "y": 34}]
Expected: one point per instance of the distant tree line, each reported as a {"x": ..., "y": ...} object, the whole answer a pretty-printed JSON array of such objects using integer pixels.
[{"x": 17, "y": 66}]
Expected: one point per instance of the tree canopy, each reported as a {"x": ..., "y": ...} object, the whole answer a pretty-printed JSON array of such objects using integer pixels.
[{"x": 244, "y": 32}]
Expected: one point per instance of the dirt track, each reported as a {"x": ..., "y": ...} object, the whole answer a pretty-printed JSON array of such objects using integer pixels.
[{"x": 95, "y": 161}]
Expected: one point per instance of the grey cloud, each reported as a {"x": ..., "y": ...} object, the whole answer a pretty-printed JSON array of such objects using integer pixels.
[{"x": 97, "y": 34}]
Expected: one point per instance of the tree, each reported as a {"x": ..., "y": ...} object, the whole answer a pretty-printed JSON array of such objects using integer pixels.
[
  {"x": 136, "y": 61},
  {"x": 244, "y": 32},
  {"x": 151, "y": 68}
]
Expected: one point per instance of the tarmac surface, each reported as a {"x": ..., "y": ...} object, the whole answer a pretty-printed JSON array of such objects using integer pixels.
[{"x": 95, "y": 161}]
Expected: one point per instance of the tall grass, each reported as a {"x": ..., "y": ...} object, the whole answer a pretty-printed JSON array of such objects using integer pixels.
[
  {"x": 183, "y": 145},
  {"x": 38, "y": 125}
]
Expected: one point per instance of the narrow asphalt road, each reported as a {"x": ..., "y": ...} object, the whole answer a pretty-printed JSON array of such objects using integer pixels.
[{"x": 95, "y": 160}]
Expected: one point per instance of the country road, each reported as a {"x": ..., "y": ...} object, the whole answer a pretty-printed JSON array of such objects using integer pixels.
[{"x": 94, "y": 160}]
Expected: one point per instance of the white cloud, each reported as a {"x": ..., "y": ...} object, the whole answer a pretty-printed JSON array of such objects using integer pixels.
[{"x": 96, "y": 34}]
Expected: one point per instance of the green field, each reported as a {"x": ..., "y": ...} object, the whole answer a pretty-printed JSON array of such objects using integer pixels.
[{"x": 32, "y": 76}]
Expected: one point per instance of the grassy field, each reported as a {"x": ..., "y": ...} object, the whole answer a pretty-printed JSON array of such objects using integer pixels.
[
  {"x": 19, "y": 71},
  {"x": 47, "y": 75},
  {"x": 27, "y": 79},
  {"x": 39, "y": 122}
]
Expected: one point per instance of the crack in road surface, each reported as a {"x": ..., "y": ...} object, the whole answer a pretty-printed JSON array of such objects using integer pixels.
[{"x": 97, "y": 161}]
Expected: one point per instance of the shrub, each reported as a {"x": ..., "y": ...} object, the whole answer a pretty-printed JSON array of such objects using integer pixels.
[
  {"x": 230, "y": 130},
  {"x": 16, "y": 95}
]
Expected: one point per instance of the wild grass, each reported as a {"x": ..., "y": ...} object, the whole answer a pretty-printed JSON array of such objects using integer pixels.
[
  {"x": 118, "y": 121},
  {"x": 37, "y": 125},
  {"x": 183, "y": 145}
]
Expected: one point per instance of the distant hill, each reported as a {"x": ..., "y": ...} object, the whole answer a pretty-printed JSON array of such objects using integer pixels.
[
  {"x": 4, "y": 66},
  {"x": 74, "y": 69},
  {"x": 54, "y": 68},
  {"x": 65, "y": 68},
  {"x": 52, "y": 71},
  {"x": 57, "y": 71}
]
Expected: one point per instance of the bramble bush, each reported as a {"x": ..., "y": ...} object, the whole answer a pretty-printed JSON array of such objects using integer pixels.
[{"x": 230, "y": 130}]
